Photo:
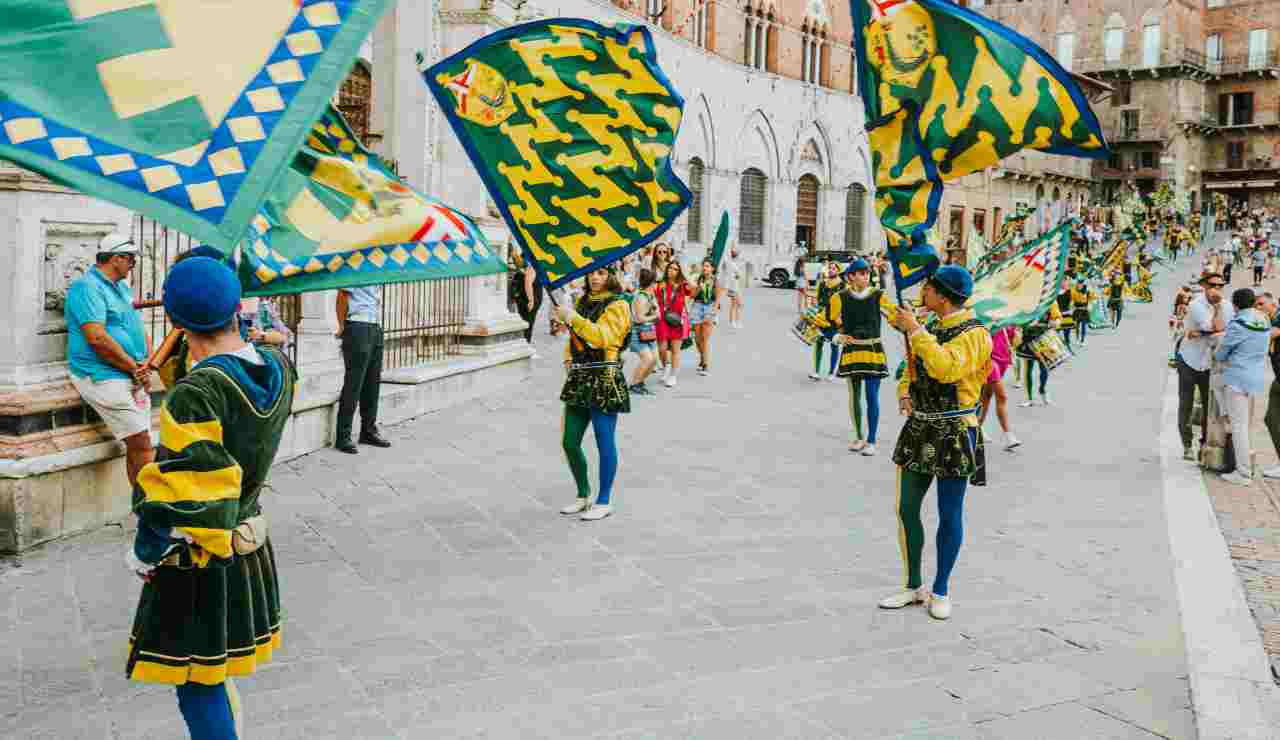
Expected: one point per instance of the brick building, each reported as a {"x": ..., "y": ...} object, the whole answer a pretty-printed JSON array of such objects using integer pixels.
[{"x": 1196, "y": 100}]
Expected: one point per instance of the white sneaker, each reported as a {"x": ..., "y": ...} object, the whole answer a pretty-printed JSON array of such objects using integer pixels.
[
  {"x": 1027, "y": 404},
  {"x": 814, "y": 376},
  {"x": 939, "y": 607},
  {"x": 856, "y": 445},
  {"x": 869, "y": 450},
  {"x": 577, "y": 506},
  {"x": 1236, "y": 479},
  {"x": 904, "y": 598},
  {"x": 596, "y": 512},
  {"x": 1271, "y": 472},
  {"x": 1012, "y": 442},
  {"x": 671, "y": 380}
]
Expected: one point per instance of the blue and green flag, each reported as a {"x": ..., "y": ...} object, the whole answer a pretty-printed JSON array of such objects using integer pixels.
[
  {"x": 949, "y": 92},
  {"x": 721, "y": 241},
  {"x": 570, "y": 125},
  {"x": 184, "y": 111},
  {"x": 340, "y": 217}
]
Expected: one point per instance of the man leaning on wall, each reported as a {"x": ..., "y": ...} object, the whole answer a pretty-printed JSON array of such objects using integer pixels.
[{"x": 107, "y": 349}]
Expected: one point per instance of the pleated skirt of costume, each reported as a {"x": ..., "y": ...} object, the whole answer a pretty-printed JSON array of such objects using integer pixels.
[
  {"x": 601, "y": 388},
  {"x": 206, "y": 624},
  {"x": 864, "y": 358}
]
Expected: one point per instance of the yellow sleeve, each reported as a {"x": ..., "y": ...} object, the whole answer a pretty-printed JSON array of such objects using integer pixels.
[
  {"x": 1055, "y": 315},
  {"x": 950, "y": 362},
  {"x": 888, "y": 308},
  {"x": 833, "y": 317},
  {"x": 610, "y": 332},
  {"x": 904, "y": 383}
]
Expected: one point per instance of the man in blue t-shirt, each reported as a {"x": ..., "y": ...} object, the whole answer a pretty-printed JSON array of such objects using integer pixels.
[
  {"x": 359, "y": 313},
  {"x": 107, "y": 349}
]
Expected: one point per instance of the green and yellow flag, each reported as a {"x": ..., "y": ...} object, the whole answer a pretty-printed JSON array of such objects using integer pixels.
[
  {"x": 184, "y": 111},
  {"x": 570, "y": 125},
  {"x": 1021, "y": 288},
  {"x": 949, "y": 92},
  {"x": 340, "y": 217}
]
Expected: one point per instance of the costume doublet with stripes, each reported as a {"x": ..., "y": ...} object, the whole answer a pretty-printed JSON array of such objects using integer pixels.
[{"x": 208, "y": 613}]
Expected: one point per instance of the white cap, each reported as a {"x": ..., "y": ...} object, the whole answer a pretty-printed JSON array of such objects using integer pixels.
[{"x": 117, "y": 243}]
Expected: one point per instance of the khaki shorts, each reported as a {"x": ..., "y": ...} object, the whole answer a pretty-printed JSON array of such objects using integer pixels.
[{"x": 114, "y": 401}]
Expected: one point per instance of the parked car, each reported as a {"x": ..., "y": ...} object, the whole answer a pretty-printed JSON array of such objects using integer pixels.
[{"x": 778, "y": 273}]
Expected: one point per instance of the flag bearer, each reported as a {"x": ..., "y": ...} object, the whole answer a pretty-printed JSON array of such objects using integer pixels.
[
  {"x": 939, "y": 393},
  {"x": 210, "y": 605}
]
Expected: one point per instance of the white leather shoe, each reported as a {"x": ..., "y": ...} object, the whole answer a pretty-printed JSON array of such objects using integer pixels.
[
  {"x": 1026, "y": 404},
  {"x": 869, "y": 450},
  {"x": 903, "y": 599},
  {"x": 939, "y": 607},
  {"x": 1271, "y": 472},
  {"x": 596, "y": 512},
  {"x": 856, "y": 445},
  {"x": 577, "y": 507},
  {"x": 1012, "y": 442}
]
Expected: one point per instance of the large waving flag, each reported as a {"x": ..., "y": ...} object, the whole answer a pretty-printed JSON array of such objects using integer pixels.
[
  {"x": 1021, "y": 288},
  {"x": 570, "y": 125},
  {"x": 184, "y": 111},
  {"x": 949, "y": 92},
  {"x": 339, "y": 217}
]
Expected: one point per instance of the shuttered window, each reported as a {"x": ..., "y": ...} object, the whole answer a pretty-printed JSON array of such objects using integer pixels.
[
  {"x": 807, "y": 202},
  {"x": 854, "y": 206},
  {"x": 695, "y": 203},
  {"x": 751, "y": 207}
]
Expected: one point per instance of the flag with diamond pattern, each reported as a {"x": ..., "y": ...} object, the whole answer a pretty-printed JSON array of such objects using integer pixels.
[
  {"x": 570, "y": 125},
  {"x": 184, "y": 111},
  {"x": 340, "y": 217}
]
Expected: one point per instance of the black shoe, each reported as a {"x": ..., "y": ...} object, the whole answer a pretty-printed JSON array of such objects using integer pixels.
[
  {"x": 347, "y": 447},
  {"x": 374, "y": 439}
]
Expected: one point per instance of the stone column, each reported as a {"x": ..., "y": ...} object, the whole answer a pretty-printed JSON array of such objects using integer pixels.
[
  {"x": 400, "y": 99},
  {"x": 490, "y": 328},
  {"x": 750, "y": 46},
  {"x": 319, "y": 351}
]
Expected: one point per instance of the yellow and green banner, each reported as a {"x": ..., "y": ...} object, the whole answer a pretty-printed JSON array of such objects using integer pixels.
[
  {"x": 187, "y": 112},
  {"x": 1020, "y": 289},
  {"x": 340, "y": 217},
  {"x": 949, "y": 92},
  {"x": 570, "y": 125}
]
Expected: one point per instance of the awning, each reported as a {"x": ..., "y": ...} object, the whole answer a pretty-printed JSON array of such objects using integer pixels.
[
  {"x": 1263, "y": 184},
  {"x": 1223, "y": 185}
]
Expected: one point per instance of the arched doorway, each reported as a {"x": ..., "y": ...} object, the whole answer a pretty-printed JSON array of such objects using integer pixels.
[
  {"x": 807, "y": 212},
  {"x": 354, "y": 99}
]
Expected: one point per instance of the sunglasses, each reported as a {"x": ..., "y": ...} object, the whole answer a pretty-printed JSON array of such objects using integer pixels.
[{"x": 1216, "y": 285}]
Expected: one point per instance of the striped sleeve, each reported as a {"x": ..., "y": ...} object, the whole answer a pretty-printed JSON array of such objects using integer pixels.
[{"x": 194, "y": 484}]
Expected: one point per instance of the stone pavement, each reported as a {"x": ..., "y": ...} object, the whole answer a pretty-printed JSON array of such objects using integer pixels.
[{"x": 431, "y": 591}]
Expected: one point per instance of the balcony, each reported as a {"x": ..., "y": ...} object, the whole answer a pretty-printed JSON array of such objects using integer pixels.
[
  {"x": 1208, "y": 124},
  {"x": 1240, "y": 65},
  {"x": 1130, "y": 173},
  {"x": 1138, "y": 135},
  {"x": 1133, "y": 63}
]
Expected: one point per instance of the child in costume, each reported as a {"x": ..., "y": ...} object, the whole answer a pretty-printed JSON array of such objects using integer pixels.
[
  {"x": 1115, "y": 298},
  {"x": 210, "y": 604},
  {"x": 853, "y": 315},
  {"x": 1081, "y": 296},
  {"x": 595, "y": 389},
  {"x": 828, "y": 286}
]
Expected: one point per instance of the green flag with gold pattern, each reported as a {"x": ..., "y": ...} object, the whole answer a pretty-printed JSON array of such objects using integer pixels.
[{"x": 570, "y": 125}]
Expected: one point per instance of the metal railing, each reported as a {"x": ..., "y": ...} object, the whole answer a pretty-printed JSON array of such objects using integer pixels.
[
  {"x": 159, "y": 247},
  {"x": 1138, "y": 133},
  {"x": 1136, "y": 58},
  {"x": 421, "y": 321},
  {"x": 1241, "y": 63}
]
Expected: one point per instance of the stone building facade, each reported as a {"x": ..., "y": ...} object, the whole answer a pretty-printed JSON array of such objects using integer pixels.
[{"x": 1196, "y": 99}]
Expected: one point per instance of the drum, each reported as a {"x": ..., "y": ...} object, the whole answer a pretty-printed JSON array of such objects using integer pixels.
[
  {"x": 806, "y": 327},
  {"x": 1050, "y": 350}
]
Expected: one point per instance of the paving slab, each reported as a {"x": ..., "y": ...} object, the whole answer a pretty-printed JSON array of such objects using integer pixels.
[{"x": 432, "y": 591}]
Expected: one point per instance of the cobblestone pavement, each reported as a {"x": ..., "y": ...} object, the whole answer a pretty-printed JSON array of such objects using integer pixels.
[
  {"x": 431, "y": 591},
  {"x": 1250, "y": 520}
]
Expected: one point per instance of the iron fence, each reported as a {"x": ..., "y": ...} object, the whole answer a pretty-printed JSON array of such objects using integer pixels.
[
  {"x": 159, "y": 247},
  {"x": 421, "y": 321}
]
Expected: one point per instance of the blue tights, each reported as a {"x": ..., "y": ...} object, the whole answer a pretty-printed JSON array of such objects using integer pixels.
[
  {"x": 208, "y": 710},
  {"x": 912, "y": 488},
  {"x": 872, "y": 383},
  {"x": 576, "y": 420}
]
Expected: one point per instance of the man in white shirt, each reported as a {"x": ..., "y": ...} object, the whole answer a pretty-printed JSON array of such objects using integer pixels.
[
  {"x": 732, "y": 283},
  {"x": 1206, "y": 321},
  {"x": 1229, "y": 251}
]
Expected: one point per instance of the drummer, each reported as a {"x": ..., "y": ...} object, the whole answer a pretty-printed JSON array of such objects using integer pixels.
[{"x": 1030, "y": 352}]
